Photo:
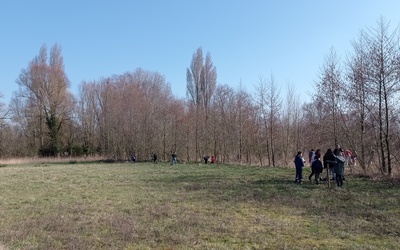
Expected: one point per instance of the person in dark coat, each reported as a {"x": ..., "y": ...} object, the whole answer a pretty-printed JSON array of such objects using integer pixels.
[
  {"x": 299, "y": 163},
  {"x": 317, "y": 167},
  {"x": 339, "y": 169},
  {"x": 329, "y": 160},
  {"x": 173, "y": 158},
  {"x": 154, "y": 158},
  {"x": 314, "y": 156}
]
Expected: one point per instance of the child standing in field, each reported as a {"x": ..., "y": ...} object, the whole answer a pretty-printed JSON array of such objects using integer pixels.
[
  {"x": 313, "y": 157},
  {"x": 173, "y": 158},
  {"x": 212, "y": 159},
  {"x": 316, "y": 155},
  {"x": 317, "y": 167},
  {"x": 299, "y": 163}
]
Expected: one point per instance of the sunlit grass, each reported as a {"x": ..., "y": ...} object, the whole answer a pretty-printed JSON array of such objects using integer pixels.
[{"x": 188, "y": 206}]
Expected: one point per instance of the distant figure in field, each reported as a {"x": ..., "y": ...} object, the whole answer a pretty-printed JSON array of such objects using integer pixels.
[
  {"x": 347, "y": 156},
  {"x": 206, "y": 159},
  {"x": 317, "y": 167},
  {"x": 154, "y": 158},
  {"x": 173, "y": 158},
  {"x": 313, "y": 157},
  {"x": 329, "y": 160},
  {"x": 339, "y": 168},
  {"x": 133, "y": 158},
  {"x": 212, "y": 159},
  {"x": 299, "y": 163}
]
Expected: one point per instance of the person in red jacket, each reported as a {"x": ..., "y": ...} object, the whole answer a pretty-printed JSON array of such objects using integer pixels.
[{"x": 212, "y": 159}]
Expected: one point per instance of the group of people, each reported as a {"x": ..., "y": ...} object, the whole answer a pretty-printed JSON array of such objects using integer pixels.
[
  {"x": 205, "y": 158},
  {"x": 174, "y": 157},
  {"x": 333, "y": 161}
]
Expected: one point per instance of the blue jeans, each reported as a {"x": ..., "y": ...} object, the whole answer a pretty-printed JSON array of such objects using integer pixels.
[{"x": 173, "y": 162}]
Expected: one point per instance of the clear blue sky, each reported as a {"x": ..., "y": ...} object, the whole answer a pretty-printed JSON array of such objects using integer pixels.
[{"x": 247, "y": 39}]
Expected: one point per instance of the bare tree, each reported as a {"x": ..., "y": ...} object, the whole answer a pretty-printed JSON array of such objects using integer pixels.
[
  {"x": 44, "y": 102},
  {"x": 269, "y": 103},
  {"x": 201, "y": 78},
  {"x": 329, "y": 93},
  {"x": 384, "y": 78},
  {"x": 357, "y": 98}
]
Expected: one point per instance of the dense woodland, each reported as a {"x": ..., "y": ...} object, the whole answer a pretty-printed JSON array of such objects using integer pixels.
[{"x": 354, "y": 104}]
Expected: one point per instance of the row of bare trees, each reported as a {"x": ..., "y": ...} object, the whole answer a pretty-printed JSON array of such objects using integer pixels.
[
  {"x": 354, "y": 104},
  {"x": 358, "y": 99}
]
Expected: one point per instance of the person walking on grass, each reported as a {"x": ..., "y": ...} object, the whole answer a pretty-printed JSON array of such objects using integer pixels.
[
  {"x": 317, "y": 167},
  {"x": 299, "y": 163},
  {"x": 316, "y": 155}
]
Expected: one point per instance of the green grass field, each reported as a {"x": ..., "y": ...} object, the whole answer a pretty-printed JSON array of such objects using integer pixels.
[{"x": 189, "y": 206}]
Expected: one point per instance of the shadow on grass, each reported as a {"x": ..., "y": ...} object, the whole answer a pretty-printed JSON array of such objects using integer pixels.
[{"x": 258, "y": 185}]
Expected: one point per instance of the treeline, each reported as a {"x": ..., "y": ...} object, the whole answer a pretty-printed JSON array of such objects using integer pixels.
[{"x": 355, "y": 104}]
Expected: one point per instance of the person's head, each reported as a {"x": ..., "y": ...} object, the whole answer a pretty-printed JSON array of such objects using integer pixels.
[
  {"x": 337, "y": 146},
  {"x": 299, "y": 153},
  {"x": 329, "y": 151}
]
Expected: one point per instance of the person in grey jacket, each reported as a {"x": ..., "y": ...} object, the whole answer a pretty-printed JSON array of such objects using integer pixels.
[{"x": 339, "y": 169}]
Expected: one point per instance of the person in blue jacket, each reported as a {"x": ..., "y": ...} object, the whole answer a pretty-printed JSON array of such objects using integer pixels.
[{"x": 299, "y": 163}]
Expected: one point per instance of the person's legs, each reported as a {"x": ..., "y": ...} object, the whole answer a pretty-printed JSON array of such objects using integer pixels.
[
  {"x": 332, "y": 173},
  {"x": 340, "y": 177},
  {"x": 300, "y": 174},
  {"x": 317, "y": 178},
  {"x": 311, "y": 175}
]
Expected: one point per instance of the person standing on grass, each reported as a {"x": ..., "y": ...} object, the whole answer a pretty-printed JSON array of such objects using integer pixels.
[
  {"x": 339, "y": 168},
  {"x": 299, "y": 163},
  {"x": 317, "y": 167},
  {"x": 212, "y": 159},
  {"x": 347, "y": 156},
  {"x": 173, "y": 158},
  {"x": 311, "y": 155},
  {"x": 329, "y": 160},
  {"x": 154, "y": 158},
  {"x": 314, "y": 156}
]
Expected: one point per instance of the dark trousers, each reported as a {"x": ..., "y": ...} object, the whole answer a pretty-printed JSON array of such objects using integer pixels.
[
  {"x": 311, "y": 175},
  {"x": 299, "y": 174},
  {"x": 339, "y": 180},
  {"x": 317, "y": 178}
]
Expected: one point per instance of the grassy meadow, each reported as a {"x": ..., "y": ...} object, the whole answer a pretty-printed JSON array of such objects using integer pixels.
[{"x": 190, "y": 206}]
